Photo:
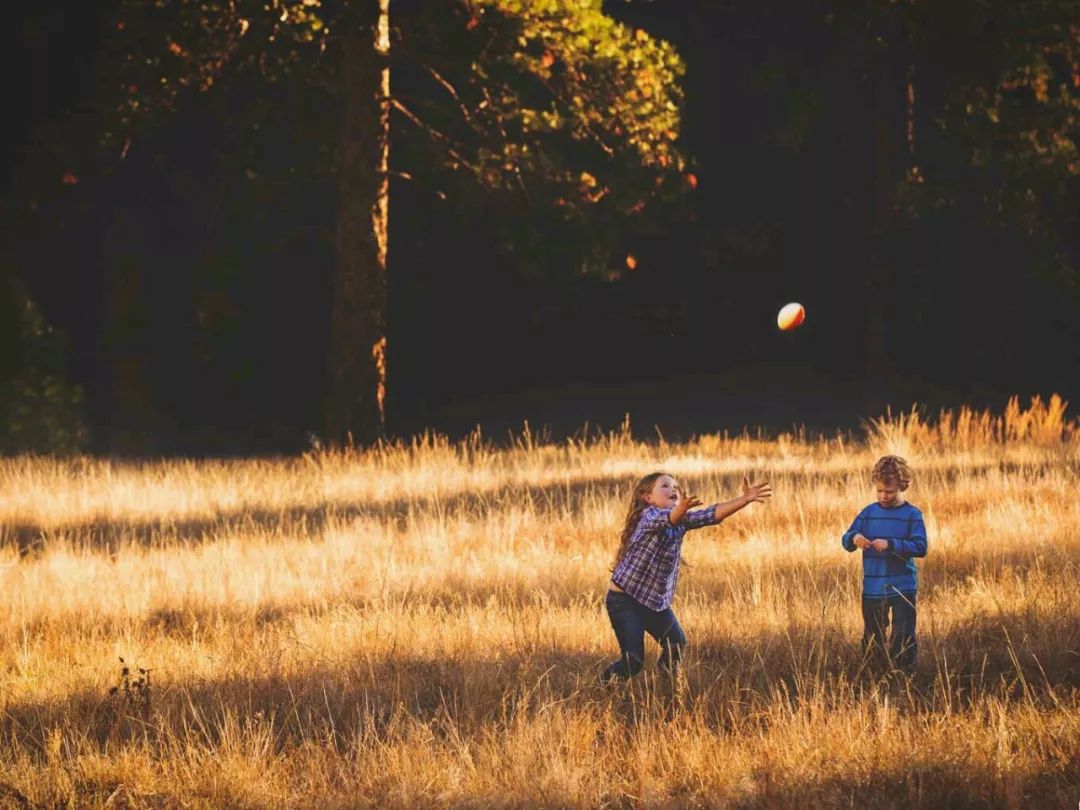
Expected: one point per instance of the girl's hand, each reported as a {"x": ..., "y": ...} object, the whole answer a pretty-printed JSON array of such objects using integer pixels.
[
  {"x": 880, "y": 545},
  {"x": 680, "y": 509},
  {"x": 688, "y": 501},
  {"x": 861, "y": 542},
  {"x": 755, "y": 493}
]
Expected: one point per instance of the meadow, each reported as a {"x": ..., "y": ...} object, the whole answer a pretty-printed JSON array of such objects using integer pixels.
[{"x": 422, "y": 624}]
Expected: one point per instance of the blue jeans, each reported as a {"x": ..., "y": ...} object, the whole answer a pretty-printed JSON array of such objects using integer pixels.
[
  {"x": 901, "y": 649},
  {"x": 631, "y": 620}
]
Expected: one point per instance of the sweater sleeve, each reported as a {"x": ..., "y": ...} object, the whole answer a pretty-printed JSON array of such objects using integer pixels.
[
  {"x": 848, "y": 540},
  {"x": 914, "y": 545}
]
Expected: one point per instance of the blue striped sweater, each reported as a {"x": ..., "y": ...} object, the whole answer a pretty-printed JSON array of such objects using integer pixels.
[{"x": 887, "y": 573}]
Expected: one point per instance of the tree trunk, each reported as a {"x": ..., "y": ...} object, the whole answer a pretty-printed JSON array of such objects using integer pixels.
[
  {"x": 357, "y": 387},
  {"x": 891, "y": 118},
  {"x": 877, "y": 370},
  {"x": 129, "y": 341}
]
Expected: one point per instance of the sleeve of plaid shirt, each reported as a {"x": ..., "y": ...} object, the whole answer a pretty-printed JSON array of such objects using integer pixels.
[
  {"x": 654, "y": 519},
  {"x": 700, "y": 517}
]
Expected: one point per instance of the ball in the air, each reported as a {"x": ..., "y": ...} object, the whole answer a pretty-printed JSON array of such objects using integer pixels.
[{"x": 790, "y": 316}]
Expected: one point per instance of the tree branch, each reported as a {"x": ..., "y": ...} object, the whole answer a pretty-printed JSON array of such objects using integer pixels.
[
  {"x": 446, "y": 85},
  {"x": 437, "y": 136},
  {"x": 506, "y": 138}
]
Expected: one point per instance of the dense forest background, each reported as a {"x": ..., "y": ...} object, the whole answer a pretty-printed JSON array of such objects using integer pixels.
[{"x": 909, "y": 174}]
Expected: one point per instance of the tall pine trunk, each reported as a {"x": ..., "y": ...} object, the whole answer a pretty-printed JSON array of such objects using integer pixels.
[
  {"x": 129, "y": 340},
  {"x": 892, "y": 122},
  {"x": 355, "y": 402},
  {"x": 878, "y": 366}
]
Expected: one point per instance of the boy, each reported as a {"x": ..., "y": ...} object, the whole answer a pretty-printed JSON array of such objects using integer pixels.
[{"x": 891, "y": 533}]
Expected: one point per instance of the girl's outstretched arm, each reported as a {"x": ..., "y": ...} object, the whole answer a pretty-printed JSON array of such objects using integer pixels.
[
  {"x": 686, "y": 502},
  {"x": 752, "y": 493}
]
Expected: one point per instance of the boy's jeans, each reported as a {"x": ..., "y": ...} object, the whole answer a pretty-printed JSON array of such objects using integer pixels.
[
  {"x": 901, "y": 648},
  {"x": 631, "y": 620}
]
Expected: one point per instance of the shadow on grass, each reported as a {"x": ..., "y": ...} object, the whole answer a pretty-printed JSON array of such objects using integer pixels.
[
  {"x": 943, "y": 785},
  {"x": 814, "y": 590},
  {"x": 731, "y": 686},
  {"x": 305, "y": 519},
  {"x": 311, "y": 519},
  {"x": 348, "y": 696}
]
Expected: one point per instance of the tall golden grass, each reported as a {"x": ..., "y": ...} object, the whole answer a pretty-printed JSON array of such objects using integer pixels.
[{"x": 422, "y": 624}]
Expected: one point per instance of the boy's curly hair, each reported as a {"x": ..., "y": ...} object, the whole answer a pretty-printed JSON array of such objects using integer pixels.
[{"x": 892, "y": 470}]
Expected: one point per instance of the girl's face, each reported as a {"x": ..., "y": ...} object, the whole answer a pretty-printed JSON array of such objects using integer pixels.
[{"x": 664, "y": 494}]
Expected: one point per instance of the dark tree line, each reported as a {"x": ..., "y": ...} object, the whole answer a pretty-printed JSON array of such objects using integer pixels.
[{"x": 907, "y": 170}]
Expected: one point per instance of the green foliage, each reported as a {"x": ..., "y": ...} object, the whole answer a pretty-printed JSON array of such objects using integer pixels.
[
  {"x": 605, "y": 83},
  {"x": 550, "y": 123},
  {"x": 551, "y": 116},
  {"x": 1003, "y": 141},
  {"x": 40, "y": 411},
  {"x": 1010, "y": 127}
]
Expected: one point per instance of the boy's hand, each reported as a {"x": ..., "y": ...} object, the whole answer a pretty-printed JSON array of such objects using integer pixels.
[
  {"x": 756, "y": 493},
  {"x": 861, "y": 542},
  {"x": 880, "y": 545}
]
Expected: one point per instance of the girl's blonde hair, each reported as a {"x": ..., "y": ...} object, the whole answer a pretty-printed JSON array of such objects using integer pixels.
[
  {"x": 633, "y": 514},
  {"x": 892, "y": 470}
]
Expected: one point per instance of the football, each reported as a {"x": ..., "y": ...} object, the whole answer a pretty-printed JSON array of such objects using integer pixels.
[{"x": 790, "y": 316}]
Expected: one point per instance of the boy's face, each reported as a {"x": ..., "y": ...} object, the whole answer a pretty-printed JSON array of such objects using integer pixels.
[
  {"x": 888, "y": 493},
  {"x": 664, "y": 494}
]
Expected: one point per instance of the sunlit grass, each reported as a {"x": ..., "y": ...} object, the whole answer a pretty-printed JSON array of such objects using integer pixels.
[{"x": 422, "y": 624}]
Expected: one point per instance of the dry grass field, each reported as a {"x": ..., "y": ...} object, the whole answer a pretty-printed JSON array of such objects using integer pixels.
[{"x": 422, "y": 625}]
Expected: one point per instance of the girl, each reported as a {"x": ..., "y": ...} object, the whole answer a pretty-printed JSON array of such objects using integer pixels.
[{"x": 647, "y": 567}]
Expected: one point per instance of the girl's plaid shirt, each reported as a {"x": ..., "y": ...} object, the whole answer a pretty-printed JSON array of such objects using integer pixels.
[{"x": 649, "y": 569}]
